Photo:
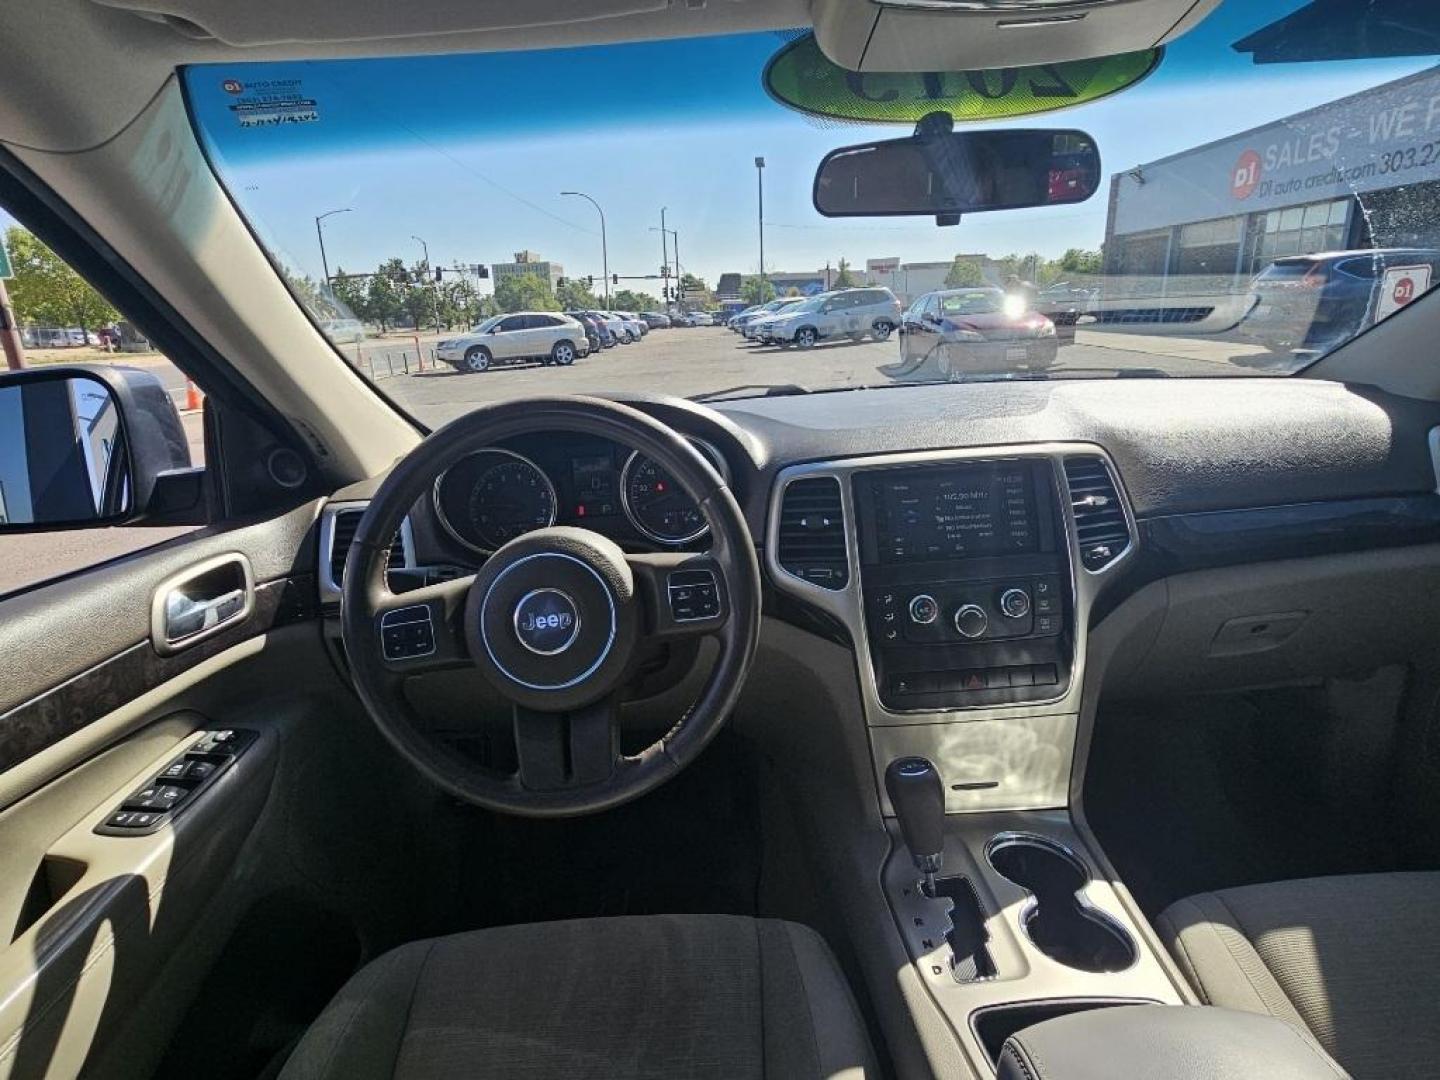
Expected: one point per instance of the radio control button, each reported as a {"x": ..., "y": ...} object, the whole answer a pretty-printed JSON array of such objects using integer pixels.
[
  {"x": 971, "y": 621},
  {"x": 924, "y": 610},
  {"x": 1015, "y": 603}
]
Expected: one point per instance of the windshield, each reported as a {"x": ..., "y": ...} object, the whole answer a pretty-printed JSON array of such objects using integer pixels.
[
  {"x": 980, "y": 302},
  {"x": 405, "y": 199}
]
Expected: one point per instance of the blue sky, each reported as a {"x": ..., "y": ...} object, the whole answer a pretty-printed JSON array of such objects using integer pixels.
[{"x": 471, "y": 152}]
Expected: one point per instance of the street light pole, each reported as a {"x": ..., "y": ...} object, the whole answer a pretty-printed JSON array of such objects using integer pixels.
[
  {"x": 760, "y": 189},
  {"x": 664, "y": 257},
  {"x": 434, "y": 286},
  {"x": 320, "y": 235},
  {"x": 604, "y": 245}
]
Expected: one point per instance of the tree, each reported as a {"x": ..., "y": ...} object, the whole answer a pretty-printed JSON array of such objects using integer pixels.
[
  {"x": 843, "y": 278},
  {"x": 755, "y": 290},
  {"x": 964, "y": 273},
  {"x": 628, "y": 300},
  {"x": 47, "y": 291},
  {"x": 575, "y": 295},
  {"x": 525, "y": 292},
  {"x": 1078, "y": 261},
  {"x": 384, "y": 294},
  {"x": 349, "y": 295}
]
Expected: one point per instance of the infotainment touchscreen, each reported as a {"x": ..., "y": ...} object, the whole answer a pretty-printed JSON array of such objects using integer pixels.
[{"x": 961, "y": 511}]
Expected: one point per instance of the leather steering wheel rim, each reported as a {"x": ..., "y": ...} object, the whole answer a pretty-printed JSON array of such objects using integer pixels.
[{"x": 365, "y": 598}]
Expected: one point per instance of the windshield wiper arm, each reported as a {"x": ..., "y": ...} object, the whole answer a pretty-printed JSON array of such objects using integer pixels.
[{"x": 770, "y": 390}]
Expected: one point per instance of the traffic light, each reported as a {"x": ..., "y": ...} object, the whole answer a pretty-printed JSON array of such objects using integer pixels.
[
  {"x": 439, "y": 272},
  {"x": 559, "y": 283},
  {"x": 590, "y": 281},
  {"x": 614, "y": 279},
  {"x": 482, "y": 271}
]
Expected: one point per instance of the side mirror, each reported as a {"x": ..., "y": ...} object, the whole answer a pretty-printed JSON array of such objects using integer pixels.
[{"x": 84, "y": 446}]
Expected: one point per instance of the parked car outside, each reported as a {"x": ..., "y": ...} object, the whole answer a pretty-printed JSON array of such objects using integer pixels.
[
  {"x": 847, "y": 313},
  {"x": 343, "y": 331},
  {"x": 697, "y": 318},
  {"x": 595, "y": 331},
  {"x": 626, "y": 330},
  {"x": 656, "y": 320},
  {"x": 547, "y": 336},
  {"x": 641, "y": 326},
  {"x": 748, "y": 322},
  {"x": 611, "y": 325},
  {"x": 975, "y": 331},
  {"x": 1317, "y": 302}
]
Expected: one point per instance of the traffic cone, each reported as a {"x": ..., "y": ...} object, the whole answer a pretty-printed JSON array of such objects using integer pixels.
[{"x": 193, "y": 397}]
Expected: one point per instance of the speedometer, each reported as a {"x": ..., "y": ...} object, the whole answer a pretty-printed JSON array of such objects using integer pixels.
[
  {"x": 658, "y": 506},
  {"x": 493, "y": 496}
]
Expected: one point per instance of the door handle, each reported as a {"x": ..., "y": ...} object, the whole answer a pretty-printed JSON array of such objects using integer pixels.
[{"x": 201, "y": 601}]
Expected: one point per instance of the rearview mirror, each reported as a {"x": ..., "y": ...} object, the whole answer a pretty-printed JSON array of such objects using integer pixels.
[
  {"x": 947, "y": 173},
  {"x": 84, "y": 446}
]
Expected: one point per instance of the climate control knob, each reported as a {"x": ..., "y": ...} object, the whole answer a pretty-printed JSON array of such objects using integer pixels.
[
  {"x": 1015, "y": 603},
  {"x": 971, "y": 620},
  {"x": 924, "y": 610}
]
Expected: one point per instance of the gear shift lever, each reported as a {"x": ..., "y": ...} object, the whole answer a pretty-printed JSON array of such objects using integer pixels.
[{"x": 918, "y": 797}]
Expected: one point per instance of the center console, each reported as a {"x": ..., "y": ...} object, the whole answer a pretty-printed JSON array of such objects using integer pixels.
[{"x": 966, "y": 581}]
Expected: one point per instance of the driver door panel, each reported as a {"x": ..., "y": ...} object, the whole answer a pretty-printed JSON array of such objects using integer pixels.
[{"x": 104, "y": 936}]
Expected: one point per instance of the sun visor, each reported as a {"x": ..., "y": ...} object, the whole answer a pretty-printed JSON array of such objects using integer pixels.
[
  {"x": 962, "y": 35},
  {"x": 277, "y": 22}
]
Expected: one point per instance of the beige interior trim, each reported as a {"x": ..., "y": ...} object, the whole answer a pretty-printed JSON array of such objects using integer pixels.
[
  {"x": 154, "y": 198},
  {"x": 126, "y": 56},
  {"x": 69, "y": 753}
]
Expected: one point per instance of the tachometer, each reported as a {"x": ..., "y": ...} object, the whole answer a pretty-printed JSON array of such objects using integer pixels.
[
  {"x": 658, "y": 506},
  {"x": 493, "y": 496}
]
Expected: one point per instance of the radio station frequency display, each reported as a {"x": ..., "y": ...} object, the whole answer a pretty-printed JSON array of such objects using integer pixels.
[{"x": 951, "y": 513}]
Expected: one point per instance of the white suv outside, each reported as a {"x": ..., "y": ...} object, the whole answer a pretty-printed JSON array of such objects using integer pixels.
[
  {"x": 546, "y": 336},
  {"x": 848, "y": 313}
]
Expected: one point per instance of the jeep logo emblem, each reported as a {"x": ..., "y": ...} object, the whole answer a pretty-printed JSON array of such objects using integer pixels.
[{"x": 546, "y": 621}]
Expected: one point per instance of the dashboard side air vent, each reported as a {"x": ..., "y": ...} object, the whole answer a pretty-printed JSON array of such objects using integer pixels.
[
  {"x": 1100, "y": 525},
  {"x": 343, "y": 531},
  {"x": 812, "y": 532}
]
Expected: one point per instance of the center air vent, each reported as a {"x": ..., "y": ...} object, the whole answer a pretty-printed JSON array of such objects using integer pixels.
[
  {"x": 346, "y": 522},
  {"x": 812, "y": 532},
  {"x": 1100, "y": 525}
]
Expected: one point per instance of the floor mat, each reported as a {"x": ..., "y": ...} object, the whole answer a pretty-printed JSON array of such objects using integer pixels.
[{"x": 1213, "y": 792}]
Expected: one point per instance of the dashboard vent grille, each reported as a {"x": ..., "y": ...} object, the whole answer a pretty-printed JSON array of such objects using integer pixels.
[
  {"x": 346, "y": 522},
  {"x": 812, "y": 532},
  {"x": 1100, "y": 524}
]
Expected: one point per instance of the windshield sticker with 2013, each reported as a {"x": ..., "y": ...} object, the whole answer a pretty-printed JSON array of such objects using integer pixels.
[{"x": 270, "y": 103}]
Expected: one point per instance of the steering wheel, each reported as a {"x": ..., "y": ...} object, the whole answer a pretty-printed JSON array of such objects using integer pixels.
[{"x": 553, "y": 620}]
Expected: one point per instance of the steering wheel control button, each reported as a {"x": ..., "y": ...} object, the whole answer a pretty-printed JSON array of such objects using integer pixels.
[
  {"x": 407, "y": 633},
  {"x": 547, "y": 621},
  {"x": 693, "y": 595},
  {"x": 1015, "y": 603},
  {"x": 924, "y": 610},
  {"x": 971, "y": 621}
]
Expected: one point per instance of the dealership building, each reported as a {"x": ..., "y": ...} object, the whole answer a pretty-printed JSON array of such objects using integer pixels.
[{"x": 1359, "y": 172}]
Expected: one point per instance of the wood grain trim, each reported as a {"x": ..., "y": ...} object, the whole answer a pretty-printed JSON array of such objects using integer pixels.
[{"x": 65, "y": 709}]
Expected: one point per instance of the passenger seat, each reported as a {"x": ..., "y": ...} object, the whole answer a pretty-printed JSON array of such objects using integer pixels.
[{"x": 1353, "y": 961}]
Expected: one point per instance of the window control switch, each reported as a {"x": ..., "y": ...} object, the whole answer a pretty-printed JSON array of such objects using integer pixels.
[{"x": 158, "y": 797}]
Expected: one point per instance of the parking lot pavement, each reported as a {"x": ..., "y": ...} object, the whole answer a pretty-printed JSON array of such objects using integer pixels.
[{"x": 706, "y": 359}]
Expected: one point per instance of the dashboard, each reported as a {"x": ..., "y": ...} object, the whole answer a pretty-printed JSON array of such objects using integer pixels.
[{"x": 490, "y": 497}]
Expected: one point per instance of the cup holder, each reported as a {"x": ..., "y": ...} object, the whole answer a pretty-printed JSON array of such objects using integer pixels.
[{"x": 1058, "y": 919}]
